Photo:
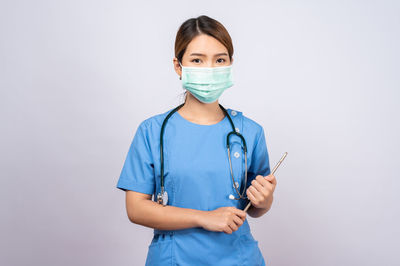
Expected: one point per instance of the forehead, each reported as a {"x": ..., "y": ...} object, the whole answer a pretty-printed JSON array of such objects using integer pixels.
[{"x": 205, "y": 44}]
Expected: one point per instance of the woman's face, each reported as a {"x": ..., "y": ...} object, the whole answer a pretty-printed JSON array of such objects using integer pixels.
[{"x": 204, "y": 51}]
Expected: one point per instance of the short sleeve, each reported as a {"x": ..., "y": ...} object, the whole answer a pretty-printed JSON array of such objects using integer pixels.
[
  {"x": 260, "y": 159},
  {"x": 138, "y": 170}
]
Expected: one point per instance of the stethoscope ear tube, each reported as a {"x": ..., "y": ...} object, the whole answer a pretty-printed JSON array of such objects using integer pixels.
[
  {"x": 241, "y": 195},
  {"x": 237, "y": 134},
  {"x": 162, "y": 197}
]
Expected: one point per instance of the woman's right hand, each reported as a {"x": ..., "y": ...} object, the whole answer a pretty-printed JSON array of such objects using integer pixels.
[{"x": 223, "y": 219}]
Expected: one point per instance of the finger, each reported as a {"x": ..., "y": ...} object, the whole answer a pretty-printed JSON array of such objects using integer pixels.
[
  {"x": 262, "y": 180},
  {"x": 233, "y": 226},
  {"x": 256, "y": 193},
  {"x": 260, "y": 187},
  {"x": 240, "y": 213},
  {"x": 271, "y": 178},
  {"x": 250, "y": 195},
  {"x": 265, "y": 189},
  {"x": 238, "y": 221},
  {"x": 228, "y": 230}
]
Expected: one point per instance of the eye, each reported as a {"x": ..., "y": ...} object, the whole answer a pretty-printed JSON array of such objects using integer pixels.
[
  {"x": 221, "y": 59},
  {"x": 195, "y": 59}
]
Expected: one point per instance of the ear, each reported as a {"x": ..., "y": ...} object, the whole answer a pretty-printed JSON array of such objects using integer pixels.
[{"x": 177, "y": 67}]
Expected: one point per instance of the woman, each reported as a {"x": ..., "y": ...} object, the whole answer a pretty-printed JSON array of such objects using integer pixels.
[{"x": 201, "y": 188}]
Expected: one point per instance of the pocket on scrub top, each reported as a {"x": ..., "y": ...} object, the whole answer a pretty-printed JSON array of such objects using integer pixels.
[
  {"x": 160, "y": 250},
  {"x": 251, "y": 253}
]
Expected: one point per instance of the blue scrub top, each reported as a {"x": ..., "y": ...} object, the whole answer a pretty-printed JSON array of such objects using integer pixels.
[{"x": 197, "y": 176}]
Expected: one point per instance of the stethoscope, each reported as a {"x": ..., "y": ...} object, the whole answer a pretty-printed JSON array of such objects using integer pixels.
[{"x": 162, "y": 197}]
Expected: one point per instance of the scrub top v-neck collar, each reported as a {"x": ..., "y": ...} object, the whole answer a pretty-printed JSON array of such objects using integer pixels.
[{"x": 189, "y": 123}]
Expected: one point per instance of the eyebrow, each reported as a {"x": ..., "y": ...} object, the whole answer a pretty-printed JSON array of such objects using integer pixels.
[{"x": 198, "y": 54}]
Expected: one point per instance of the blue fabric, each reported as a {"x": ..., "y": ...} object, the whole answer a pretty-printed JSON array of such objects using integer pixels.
[{"x": 197, "y": 176}]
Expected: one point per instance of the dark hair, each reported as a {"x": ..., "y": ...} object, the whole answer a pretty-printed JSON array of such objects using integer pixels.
[{"x": 201, "y": 25}]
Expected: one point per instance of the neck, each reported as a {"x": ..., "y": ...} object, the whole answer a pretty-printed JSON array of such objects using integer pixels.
[{"x": 199, "y": 112}]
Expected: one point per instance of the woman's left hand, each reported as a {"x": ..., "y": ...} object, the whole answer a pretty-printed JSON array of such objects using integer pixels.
[{"x": 261, "y": 190}]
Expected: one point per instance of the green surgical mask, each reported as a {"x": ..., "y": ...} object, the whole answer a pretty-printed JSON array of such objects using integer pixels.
[{"x": 206, "y": 83}]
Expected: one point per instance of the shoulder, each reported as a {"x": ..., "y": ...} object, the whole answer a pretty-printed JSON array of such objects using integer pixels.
[
  {"x": 249, "y": 125},
  {"x": 153, "y": 122}
]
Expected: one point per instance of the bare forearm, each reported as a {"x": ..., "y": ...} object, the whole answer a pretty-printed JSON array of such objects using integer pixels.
[{"x": 151, "y": 214}]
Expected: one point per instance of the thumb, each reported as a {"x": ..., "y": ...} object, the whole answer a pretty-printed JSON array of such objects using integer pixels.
[{"x": 269, "y": 177}]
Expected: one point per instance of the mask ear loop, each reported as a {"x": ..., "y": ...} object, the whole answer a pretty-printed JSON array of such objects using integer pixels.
[{"x": 180, "y": 77}]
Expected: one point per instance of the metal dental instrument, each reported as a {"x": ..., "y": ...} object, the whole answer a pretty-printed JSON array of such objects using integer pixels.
[{"x": 273, "y": 172}]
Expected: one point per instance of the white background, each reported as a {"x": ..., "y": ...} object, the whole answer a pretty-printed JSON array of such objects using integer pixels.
[{"x": 321, "y": 77}]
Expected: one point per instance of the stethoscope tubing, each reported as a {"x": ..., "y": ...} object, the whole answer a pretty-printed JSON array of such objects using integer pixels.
[{"x": 227, "y": 145}]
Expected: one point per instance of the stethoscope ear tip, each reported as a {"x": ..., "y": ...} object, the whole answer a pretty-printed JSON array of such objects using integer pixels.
[{"x": 231, "y": 197}]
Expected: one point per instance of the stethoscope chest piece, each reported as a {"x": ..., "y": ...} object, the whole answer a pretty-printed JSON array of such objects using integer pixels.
[{"x": 162, "y": 198}]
